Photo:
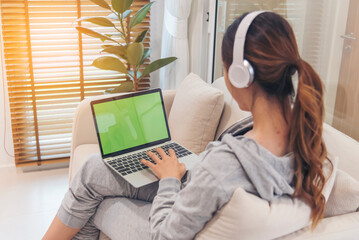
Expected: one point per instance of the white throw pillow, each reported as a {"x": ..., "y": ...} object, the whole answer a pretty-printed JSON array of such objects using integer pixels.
[
  {"x": 247, "y": 216},
  {"x": 344, "y": 197},
  {"x": 195, "y": 113}
]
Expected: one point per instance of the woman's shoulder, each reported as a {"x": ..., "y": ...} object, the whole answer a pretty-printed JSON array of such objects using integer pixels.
[
  {"x": 221, "y": 165},
  {"x": 219, "y": 156}
]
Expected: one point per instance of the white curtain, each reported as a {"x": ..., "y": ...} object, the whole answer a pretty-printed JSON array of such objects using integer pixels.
[
  {"x": 198, "y": 38},
  {"x": 169, "y": 38},
  {"x": 175, "y": 42},
  {"x": 156, "y": 23}
]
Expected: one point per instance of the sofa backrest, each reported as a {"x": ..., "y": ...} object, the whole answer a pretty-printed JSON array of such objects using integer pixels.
[{"x": 345, "y": 148}]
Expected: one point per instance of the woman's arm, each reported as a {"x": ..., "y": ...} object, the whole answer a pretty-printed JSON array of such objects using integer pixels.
[{"x": 182, "y": 214}]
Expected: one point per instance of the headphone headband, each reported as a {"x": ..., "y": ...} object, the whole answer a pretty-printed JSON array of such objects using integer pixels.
[{"x": 241, "y": 73}]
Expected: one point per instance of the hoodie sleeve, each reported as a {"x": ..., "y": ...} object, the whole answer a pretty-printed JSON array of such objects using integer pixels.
[{"x": 181, "y": 214}]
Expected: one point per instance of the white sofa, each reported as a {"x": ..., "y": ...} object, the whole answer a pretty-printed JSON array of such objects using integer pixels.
[{"x": 345, "y": 226}]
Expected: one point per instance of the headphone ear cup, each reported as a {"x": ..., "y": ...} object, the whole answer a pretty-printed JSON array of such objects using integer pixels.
[
  {"x": 241, "y": 73},
  {"x": 241, "y": 76},
  {"x": 250, "y": 70}
]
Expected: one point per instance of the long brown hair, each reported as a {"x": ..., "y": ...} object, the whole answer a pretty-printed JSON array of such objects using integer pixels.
[{"x": 272, "y": 50}]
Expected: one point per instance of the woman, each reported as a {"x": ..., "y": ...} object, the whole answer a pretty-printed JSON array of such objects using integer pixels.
[{"x": 282, "y": 154}]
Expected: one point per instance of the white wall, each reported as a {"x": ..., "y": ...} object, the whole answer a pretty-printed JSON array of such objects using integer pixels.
[{"x": 5, "y": 126}]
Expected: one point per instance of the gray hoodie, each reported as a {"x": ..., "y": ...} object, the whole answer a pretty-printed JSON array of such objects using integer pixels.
[{"x": 180, "y": 211}]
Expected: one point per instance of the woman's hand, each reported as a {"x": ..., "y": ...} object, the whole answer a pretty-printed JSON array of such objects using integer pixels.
[{"x": 166, "y": 167}]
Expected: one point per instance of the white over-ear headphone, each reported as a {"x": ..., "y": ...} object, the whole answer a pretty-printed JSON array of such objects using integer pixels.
[{"x": 241, "y": 73}]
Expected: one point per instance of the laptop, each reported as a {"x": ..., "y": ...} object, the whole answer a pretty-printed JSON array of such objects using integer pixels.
[{"x": 127, "y": 127}]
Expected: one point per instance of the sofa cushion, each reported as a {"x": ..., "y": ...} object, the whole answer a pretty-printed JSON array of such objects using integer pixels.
[
  {"x": 195, "y": 113},
  {"x": 344, "y": 197},
  {"x": 333, "y": 228}
]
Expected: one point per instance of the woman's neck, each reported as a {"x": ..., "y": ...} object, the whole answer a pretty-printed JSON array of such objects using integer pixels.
[{"x": 270, "y": 123}]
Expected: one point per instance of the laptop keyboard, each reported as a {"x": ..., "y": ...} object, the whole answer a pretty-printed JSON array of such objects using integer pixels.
[{"x": 131, "y": 163}]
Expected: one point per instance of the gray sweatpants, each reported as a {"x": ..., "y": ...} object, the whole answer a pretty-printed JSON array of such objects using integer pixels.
[{"x": 99, "y": 198}]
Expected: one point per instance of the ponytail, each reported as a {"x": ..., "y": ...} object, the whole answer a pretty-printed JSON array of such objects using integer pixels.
[
  {"x": 272, "y": 50},
  {"x": 306, "y": 141}
]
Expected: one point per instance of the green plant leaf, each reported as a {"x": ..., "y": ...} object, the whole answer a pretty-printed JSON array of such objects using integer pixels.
[
  {"x": 110, "y": 63},
  {"x": 125, "y": 86},
  {"x": 140, "y": 15},
  {"x": 98, "y": 20},
  {"x": 145, "y": 55},
  {"x": 141, "y": 36},
  {"x": 121, "y": 5},
  {"x": 117, "y": 50},
  {"x": 134, "y": 53},
  {"x": 101, "y": 3},
  {"x": 93, "y": 33},
  {"x": 126, "y": 13},
  {"x": 157, "y": 65},
  {"x": 113, "y": 16}
]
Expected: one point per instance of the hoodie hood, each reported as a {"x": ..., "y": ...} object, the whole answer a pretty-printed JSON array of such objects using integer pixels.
[{"x": 269, "y": 174}]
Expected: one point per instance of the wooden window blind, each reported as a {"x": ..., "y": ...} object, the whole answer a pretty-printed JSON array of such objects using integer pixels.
[{"x": 48, "y": 69}]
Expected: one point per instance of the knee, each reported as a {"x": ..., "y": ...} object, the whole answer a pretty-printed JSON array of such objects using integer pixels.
[
  {"x": 90, "y": 170},
  {"x": 94, "y": 165},
  {"x": 93, "y": 161}
]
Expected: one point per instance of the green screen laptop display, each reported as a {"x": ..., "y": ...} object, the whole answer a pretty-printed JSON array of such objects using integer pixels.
[{"x": 130, "y": 122}]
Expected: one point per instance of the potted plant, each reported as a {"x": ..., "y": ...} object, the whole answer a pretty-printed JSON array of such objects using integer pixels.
[{"x": 129, "y": 54}]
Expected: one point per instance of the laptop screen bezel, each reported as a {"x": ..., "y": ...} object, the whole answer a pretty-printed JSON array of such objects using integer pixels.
[{"x": 123, "y": 96}]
